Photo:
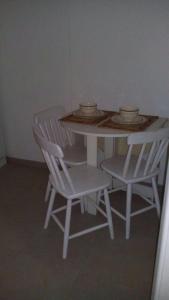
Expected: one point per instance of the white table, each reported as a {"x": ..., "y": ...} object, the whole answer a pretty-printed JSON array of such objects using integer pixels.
[{"x": 93, "y": 132}]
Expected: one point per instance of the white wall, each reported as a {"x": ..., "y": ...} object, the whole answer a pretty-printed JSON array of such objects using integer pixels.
[
  {"x": 34, "y": 68},
  {"x": 67, "y": 51},
  {"x": 120, "y": 53}
]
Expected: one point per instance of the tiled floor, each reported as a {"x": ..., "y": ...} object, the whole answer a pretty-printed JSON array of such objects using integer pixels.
[{"x": 96, "y": 268}]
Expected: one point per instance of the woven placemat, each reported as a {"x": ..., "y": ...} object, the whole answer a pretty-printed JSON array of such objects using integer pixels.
[
  {"x": 129, "y": 127},
  {"x": 87, "y": 121}
]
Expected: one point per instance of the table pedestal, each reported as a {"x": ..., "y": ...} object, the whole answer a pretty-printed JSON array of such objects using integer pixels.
[
  {"x": 109, "y": 148},
  {"x": 92, "y": 161}
]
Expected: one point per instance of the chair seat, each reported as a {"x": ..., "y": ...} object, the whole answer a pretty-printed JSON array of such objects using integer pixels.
[
  {"x": 74, "y": 155},
  {"x": 86, "y": 179},
  {"x": 115, "y": 165}
]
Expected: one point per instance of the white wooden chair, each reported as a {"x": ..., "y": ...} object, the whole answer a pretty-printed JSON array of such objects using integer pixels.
[
  {"x": 51, "y": 128},
  {"x": 131, "y": 169},
  {"x": 72, "y": 183}
]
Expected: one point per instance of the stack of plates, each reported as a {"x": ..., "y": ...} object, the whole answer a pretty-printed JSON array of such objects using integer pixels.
[
  {"x": 137, "y": 120},
  {"x": 128, "y": 115},
  {"x": 88, "y": 110},
  {"x": 129, "y": 112}
]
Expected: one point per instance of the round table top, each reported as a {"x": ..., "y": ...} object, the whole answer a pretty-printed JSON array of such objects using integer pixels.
[{"x": 92, "y": 130}]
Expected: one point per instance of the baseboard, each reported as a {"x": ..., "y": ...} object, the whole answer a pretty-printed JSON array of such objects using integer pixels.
[{"x": 25, "y": 162}]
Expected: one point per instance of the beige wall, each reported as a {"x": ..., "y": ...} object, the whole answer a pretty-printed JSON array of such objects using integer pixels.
[{"x": 115, "y": 52}]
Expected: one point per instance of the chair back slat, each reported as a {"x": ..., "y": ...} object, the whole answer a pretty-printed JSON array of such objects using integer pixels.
[
  {"x": 127, "y": 161},
  {"x": 56, "y": 172},
  {"x": 139, "y": 160},
  {"x": 70, "y": 137},
  {"x": 53, "y": 131},
  {"x": 53, "y": 156},
  {"x": 53, "y": 167},
  {"x": 152, "y": 147},
  {"x": 162, "y": 148},
  {"x": 65, "y": 170},
  {"x": 150, "y": 157},
  {"x": 51, "y": 127}
]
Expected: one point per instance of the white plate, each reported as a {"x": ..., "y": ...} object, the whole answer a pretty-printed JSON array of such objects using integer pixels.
[
  {"x": 138, "y": 120},
  {"x": 97, "y": 113}
]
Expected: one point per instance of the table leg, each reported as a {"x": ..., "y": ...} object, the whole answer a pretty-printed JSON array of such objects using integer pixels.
[
  {"x": 109, "y": 150},
  {"x": 109, "y": 147},
  {"x": 92, "y": 161},
  {"x": 92, "y": 150}
]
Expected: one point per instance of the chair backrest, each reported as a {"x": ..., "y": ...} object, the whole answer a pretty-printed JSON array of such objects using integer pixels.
[
  {"x": 152, "y": 147},
  {"x": 50, "y": 126},
  {"x": 53, "y": 156}
]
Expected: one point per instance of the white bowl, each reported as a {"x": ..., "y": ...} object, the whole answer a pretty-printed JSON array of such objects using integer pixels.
[
  {"x": 88, "y": 107},
  {"x": 88, "y": 104},
  {"x": 128, "y": 112}
]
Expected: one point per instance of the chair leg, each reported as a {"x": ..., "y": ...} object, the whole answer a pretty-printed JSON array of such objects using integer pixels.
[
  {"x": 48, "y": 190},
  {"x": 50, "y": 207},
  {"x": 85, "y": 204},
  {"x": 156, "y": 196},
  {"x": 98, "y": 198},
  {"x": 108, "y": 212},
  {"x": 128, "y": 210},
  {"x": 67, "y": 227},
  {"x": 82, "y": 205}
]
